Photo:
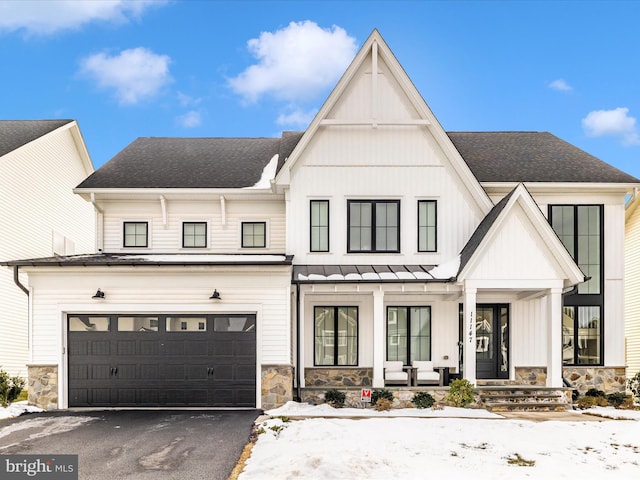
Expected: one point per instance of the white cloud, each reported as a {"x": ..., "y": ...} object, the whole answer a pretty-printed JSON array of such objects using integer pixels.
[
  {"x": 188, "y": 101},
  {"x": 134, "y": 74},
  {"x": 38, "y": 17},
  {"x": 190, "y": 119},
  {"x": 560, "y": 85},
  {"x": 295, "y": 63},
  {"x": 616, "y": 123},
  {"x": 296, "y": 118}
]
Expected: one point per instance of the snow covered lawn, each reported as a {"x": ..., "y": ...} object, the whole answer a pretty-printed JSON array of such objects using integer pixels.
[{"x": 443, "y": 446}]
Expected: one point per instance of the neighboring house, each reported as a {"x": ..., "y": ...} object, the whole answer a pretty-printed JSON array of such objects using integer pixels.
[
  {"x": 247, "y": 272},
  {"x": 41, "y": 161},
  {"x": 632, "y": 285}
]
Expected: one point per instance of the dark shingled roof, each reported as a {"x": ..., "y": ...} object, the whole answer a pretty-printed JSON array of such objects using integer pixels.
[
  {"x": 16, "y": 133},
  {"x": 531, "y": 157},
  {"x": 153, "y": 162}
]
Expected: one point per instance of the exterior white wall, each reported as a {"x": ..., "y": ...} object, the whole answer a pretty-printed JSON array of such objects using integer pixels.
[
  {"x": 262, "y": 290},
  {"x": 224, "y": 237},
  {"x": 632, "y": 292},
  {"x": 37, "y": 205}
]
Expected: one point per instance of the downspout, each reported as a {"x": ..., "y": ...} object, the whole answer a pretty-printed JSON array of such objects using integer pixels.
[
  {"x": 16, "y": 279},
  {"x": 298, "y": 398},
  {"x": 99, "y": 222}
]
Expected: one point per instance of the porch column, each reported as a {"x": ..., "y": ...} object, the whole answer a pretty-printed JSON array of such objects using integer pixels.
[
  {"x": 469, "y": 332},
  {"x": 301, "y": 338},
  {"x": 378, "y": 338},
  {"x": 554, "y": 338}
]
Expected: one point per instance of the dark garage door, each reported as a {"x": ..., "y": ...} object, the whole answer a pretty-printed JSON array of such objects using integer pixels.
[{"x": 162, "y": 360}]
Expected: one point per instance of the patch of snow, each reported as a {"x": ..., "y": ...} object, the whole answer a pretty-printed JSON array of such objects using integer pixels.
[
  {"x": 268, "y": 174},
  {"x": 16, "y": 409},
  {"x": 207, "y": 258},
  {"x": 296, "y": 409},
  {"x": 412, "y": 448},
  {"x": 447, "y": 269},
  {"x": 611, "y": 412}
]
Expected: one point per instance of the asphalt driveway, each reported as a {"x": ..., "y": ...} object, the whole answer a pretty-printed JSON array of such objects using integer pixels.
[{"x": 138, "y": 444}]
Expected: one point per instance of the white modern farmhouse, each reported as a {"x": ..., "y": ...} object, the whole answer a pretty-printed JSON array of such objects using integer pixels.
[
  {"x": 248, "y": 272},
  {"x": 41, "y": 161}
]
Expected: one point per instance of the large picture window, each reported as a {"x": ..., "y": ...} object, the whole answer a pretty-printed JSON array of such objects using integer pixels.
[
  {"x": 427, "y": 227},
  {"x": 408, "y": 334},
  {"x": 581, "y": 230},
  {"x": 373, "y": 226},
  {"x": 136, "y": 234},
  {"x": 336, "y": 336},
  {"x": 319, "y": 233}
]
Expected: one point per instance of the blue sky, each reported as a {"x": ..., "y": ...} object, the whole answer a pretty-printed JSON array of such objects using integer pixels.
[{"x": 128, "y": 69}]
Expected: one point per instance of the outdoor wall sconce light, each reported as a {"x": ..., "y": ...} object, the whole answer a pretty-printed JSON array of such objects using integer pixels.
[
  {"x": 99, "y": 295},
  {"x": 215, "y": 295}
]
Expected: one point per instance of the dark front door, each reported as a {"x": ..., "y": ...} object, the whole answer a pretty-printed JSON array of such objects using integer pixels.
[
  {"x": 162, "y": 360},
  {"x": 492, "y": 341}
]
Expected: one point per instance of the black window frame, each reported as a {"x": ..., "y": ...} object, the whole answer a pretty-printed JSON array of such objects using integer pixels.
[
  {"x": 409, "y": 336},
  {"x": 336, "y": 336},
  {"x": 312, "y": 226},
  {"x": 206, "y": 235},
  {"x": 373, "y": 204},
  {"x": 264, "y": 237},
  {"x": 575, "y": 299},
  {"x": 124, "y": 234},
  {"x": 435, "y": 226}
]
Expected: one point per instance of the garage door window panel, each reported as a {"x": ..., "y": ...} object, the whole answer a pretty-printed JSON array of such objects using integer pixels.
[{"x": 85, "y": 323}]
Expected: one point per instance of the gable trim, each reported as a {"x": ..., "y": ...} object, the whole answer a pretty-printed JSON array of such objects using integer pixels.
[{"x": 521, "y": 196}]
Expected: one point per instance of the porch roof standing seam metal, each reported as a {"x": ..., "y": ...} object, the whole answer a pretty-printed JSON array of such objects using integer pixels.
[{"x": 370, "y": 274}]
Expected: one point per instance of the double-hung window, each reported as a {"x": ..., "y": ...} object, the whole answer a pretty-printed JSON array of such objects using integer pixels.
[
  {"x": 427, "y": 226},
  {"x": 194, "y": 234},
  {"x": 581, "y": 230},
  {"x": 409, "y": 333},
  {"x": 254, "y": 234},
  {"x": 136, "y": 234},
  {"x": 319, "y": 226},
  {"x": 335, "y": 336},
  {"x": 373, "y": 226}
]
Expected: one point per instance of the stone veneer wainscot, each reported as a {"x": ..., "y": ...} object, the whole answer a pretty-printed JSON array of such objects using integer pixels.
[{"x": 43, "y": 385}]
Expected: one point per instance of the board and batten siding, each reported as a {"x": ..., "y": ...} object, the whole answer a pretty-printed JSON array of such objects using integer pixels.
[
  {"x": 36, "y": 205},
  {"x": 333, "y": 168},
  {"x": 223, "y": 237},
  {"x": 263, "y": 290},
  {"x": 632, "y": 292}
]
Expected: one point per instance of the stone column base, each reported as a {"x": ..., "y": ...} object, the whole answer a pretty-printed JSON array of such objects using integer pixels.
[
  {"x": 531, "y": 376},
  {"x": 43, "y": 386},
  {"x": 277, "y": 385}
]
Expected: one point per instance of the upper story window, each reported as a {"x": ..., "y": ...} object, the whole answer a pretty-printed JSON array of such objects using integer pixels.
[
  {"x": 194, "y": 234},
  {"x": 136, "y": 234},
  {"x": 581, "y": 230},
  {"x": 319, "y": 225},
  {"x": 579, "y": 227},
  {"x": 254, "y": 234},
  {"x": 427, "y": 226},
  {"x": 373, "y": 226}
]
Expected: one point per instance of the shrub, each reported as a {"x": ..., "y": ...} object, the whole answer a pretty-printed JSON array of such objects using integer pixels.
[
  {"x": 591, "y": 401},
  {"x": 422, "y": 400},
  {"x": 335, "y": 397},
  {"x": 634, "y": 385},
  {"x": 381, "y": 393},
  {"x": 617, "y": 399},
  {"x": 594, "y": 392},
  {"x": 10, "y": 388},
  {"x": 382, "y": 404},
  {"x": 460, "y": 393}
]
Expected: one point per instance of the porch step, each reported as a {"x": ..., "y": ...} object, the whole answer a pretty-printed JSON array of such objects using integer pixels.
[{"x": 507, "y": 398}]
